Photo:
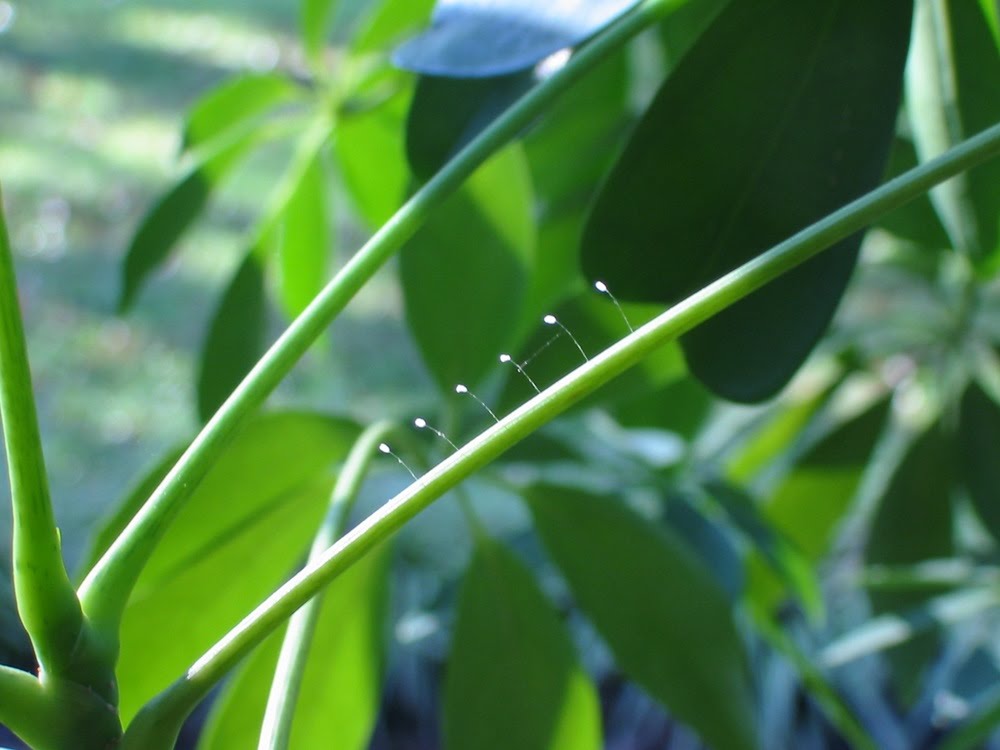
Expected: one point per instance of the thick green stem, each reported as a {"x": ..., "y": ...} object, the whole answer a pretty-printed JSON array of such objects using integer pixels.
[
  {"x": 168, "y": 710},
  {"x": 54, "y": 714},
  {"x": 107, "y": 587},
  {"x": 276, "y": 731},
  {"x": 46, "y": 600}
]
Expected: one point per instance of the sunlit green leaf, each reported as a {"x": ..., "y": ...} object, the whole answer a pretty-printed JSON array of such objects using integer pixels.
[
  {"x": 304, "y": 246},
  {"x": 237, "y": 102},
  {"x": 465, "y": 272},
  {"x": 667, "y": 621},
  {"x": 513, "y": 678},
  {"x": 341, "y": 688},
  {"x": 390, "y": 22},
  {"x": 243, "y": 530},
  {"x": 316, "y": 18}
]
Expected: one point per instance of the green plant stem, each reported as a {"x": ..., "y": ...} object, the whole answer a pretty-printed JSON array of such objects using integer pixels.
[
  {"x": 54, "y": 714},
  {"x": 167, "y": 711},
  {"x": 46, "y": 600},
  {"x": 107, "y": 587},
  {"x": 276, "y": 730}
]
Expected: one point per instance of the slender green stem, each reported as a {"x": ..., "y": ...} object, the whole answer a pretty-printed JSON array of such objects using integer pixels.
[
  {"x": 107, "y": 587},
  {"x": 276, "y": 731},
  {"x": 172, "y": 706},
  {"x": 46, "y": 600}
]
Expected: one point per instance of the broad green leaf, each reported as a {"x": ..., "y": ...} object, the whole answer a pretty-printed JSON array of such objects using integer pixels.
[
  {"x": 390, "y": 22},
  {"x": 667, "y": 621},
  {"x": 979, "y": 449},
  {"x": 681, "y": 406},
  {"x": 316, "y": 18},
  {"x": 513, "y": 677},
  {"x": 447, "y": 113},
  {"x": 304, "y": 247},
  {"x": 715, "y": 549},
  {"x": 241, "y": 532},
  {"x": 914, "y": 523},
  {"x": 952, "y": 84},
  {"x": 682, "y": 28},
  {"x": 549, "y": 353},
  {"x": 371, "y": 154},
  {"x": 341, "y": 688},
  {"x": 235, "y": 337},
  {"x": 782, "y": 111},
  {"x": 481, "y": 38},
  {"x": 465, "y": 272},
  {"x": 991, "y": 10},
  {"x": 237, "y": 102},
  {"x": 173, "y": 213}
]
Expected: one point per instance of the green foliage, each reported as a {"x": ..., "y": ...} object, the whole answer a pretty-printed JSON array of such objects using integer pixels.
[
  {"x": 672, "y": 518},
  {"x": 514, "y": 680},
  {"x": 668, "y": 623},
  {"x": 694, "y": 196}
]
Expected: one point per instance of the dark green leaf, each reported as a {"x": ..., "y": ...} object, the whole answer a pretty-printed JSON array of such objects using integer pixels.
[
  {"x": 667, "y": 621},
  {"x": 681, "y": 406},
  {"x": 913, "y": 524},
  {"x": 479, "y": 38},
  {"x": 340, "y": 693},
  {"x": 465, "y": 272},
  {"x": 235, "y": 338},
  {"x": 170, "y": 217},
  {"x": 447, "y": 113},
  {"x": 316, "y": 18},
  {"x": 236, "y": 539},
  {"x": 783, "y": 111},
  {"x": 305, "y": 239},
  {"x": 682, "y": 28},
  {"x": 952, "y": 85},
  {"x": 513, "y": 678},
  {"x": 237, "y": 102},
  {"x": 709, "y": 542},
  {"x": 979, "y": 448}
]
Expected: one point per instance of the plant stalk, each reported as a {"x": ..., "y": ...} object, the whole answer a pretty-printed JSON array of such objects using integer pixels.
[
  {"x": 166, "y": 712},
  {"x": 106, "y": 589},
  {"x": 45, "y": 597},
  {"x": 276, "y": 730}
]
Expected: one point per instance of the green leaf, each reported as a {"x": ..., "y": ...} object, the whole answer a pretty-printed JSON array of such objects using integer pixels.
[
  {"x": 341, "y": 689},
  {"x": 513, "y": 677},
  {"x": 236, "y": 103},
  {"x": 390, "y": 22},
  {"x": 235, "y": 337},
  {"x": 173, "y": 213},
  {"x": 667, "y": 621},
  {"x": 682, "y": 28},
  {"x": 783, "y": 111},
  {"x": 316, "y": 18},
  {"x": 952, "y": 83},
  {"x": 447, "y": 113},
  {"x": 465, "y": 272},
  {"x": 370, "y": 151},
  {"x": 304, "y": 247},
  {"x": 914, "y": 523},
  {"x": 236, "y": 539},
  {"x": 979, "y": 443}
]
